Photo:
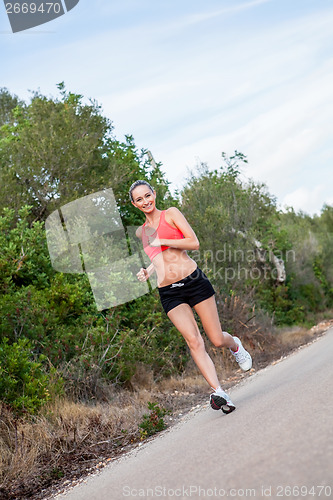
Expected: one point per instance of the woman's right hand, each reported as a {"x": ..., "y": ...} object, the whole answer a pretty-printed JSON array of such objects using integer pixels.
[{"x": 142, "y": 275}]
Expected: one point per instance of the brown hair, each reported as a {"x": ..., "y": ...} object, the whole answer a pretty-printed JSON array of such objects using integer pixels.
[{"x": 139, "y": 183}]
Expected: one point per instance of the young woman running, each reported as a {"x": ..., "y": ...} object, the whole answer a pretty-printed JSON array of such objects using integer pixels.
[{"x": 166, "y": 235}]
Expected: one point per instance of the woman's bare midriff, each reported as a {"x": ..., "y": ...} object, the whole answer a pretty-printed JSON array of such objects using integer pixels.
[{"x": 172, "y": 265}]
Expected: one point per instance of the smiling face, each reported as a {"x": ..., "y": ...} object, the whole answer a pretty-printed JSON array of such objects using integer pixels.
[{"x": 144, "y": 198}]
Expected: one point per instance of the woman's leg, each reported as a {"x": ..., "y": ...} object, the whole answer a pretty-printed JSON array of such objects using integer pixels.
[
  {"x": 183, "y": 318},
  {"x": 207, "y": 311}
]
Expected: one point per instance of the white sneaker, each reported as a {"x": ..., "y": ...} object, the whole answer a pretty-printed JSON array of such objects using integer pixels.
[
  {"x": 220, "y": 400},
  {"x": 242, "y": 357}
]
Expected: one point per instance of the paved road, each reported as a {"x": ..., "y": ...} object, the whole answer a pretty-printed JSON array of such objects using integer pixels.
[{"x": 277, "y": 444}]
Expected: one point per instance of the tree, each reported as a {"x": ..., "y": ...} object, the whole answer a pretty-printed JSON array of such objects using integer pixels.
[
  {"x": 126, "y": 165},
  {"x": 310, "y": 270},
  {"x": 242, "y": 236},
  {"x": 51, "y": 151},
  {"x": 54, "y": 151},
  {"x": 8, "y": 103},
  {"x": 229, "y": 216}
]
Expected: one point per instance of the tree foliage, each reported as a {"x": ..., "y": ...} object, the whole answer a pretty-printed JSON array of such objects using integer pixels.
[
  {"x": 231, "y": 217},
  {"x": 8, "y": 103},
  {"x": 24, "y": 385},
  {"x": 53, "y": 151},
  {"x": 56, "y": 150}
]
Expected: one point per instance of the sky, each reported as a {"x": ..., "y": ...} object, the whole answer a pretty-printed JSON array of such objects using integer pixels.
[{"x": 191, "y": 79}]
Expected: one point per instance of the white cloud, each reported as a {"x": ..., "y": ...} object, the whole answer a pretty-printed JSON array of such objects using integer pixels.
[
  {"x": 205, "y": 16},
  {"x": 284, "y": 124},
  {"x": 278, "y": 140},
  {"x": 191, "y": 86},
  {"x": 306, "y": 199}
]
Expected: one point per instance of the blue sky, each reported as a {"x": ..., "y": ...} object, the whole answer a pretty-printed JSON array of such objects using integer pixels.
[{"x": 190, "y": 79}]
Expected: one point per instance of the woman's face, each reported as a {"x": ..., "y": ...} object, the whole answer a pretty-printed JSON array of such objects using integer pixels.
[{"x": 144, "y": 198}]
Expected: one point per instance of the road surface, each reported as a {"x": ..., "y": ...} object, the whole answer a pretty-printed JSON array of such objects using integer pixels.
[{"x": 277, "y": 444}]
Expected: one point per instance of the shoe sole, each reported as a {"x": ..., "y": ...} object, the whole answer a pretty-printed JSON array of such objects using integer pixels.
[
  {"x": 247, "y": 368},
  {"x": 220, "y": 403}
]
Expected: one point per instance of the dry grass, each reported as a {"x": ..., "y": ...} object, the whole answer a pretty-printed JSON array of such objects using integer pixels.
[
  {"x": 69, "y": 438},
  {"x": 293, "y": 337}
]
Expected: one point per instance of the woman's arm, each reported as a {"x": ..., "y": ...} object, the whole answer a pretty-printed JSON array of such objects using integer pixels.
[
  {"x": 144, "y": 274},
  {"x": 150, "y": 269},
  {"x": 189, "y": 242}
]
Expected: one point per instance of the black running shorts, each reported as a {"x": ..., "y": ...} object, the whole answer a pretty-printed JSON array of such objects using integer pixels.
[{"x": 191, "y": 290}]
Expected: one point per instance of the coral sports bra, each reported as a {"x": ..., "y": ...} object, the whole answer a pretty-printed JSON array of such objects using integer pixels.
[{"x": 164, "y": 231}]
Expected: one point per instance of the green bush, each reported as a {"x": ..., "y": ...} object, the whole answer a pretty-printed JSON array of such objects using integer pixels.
[
  {"x": 153, "y": 423},
  {"x": 24, "y": 258},
  {"x": 23, "y": 382}
]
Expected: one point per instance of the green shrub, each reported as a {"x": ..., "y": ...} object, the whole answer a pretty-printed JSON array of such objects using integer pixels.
[
  {"x": 153, "y": 423},
  {"x": 24, "y": 258},
  {"x": 23, "y": 382}
]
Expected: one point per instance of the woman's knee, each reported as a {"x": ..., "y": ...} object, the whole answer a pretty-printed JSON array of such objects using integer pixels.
[
  {"x": 219, "y": 340},
  {"x": 195, "y": 342}
]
